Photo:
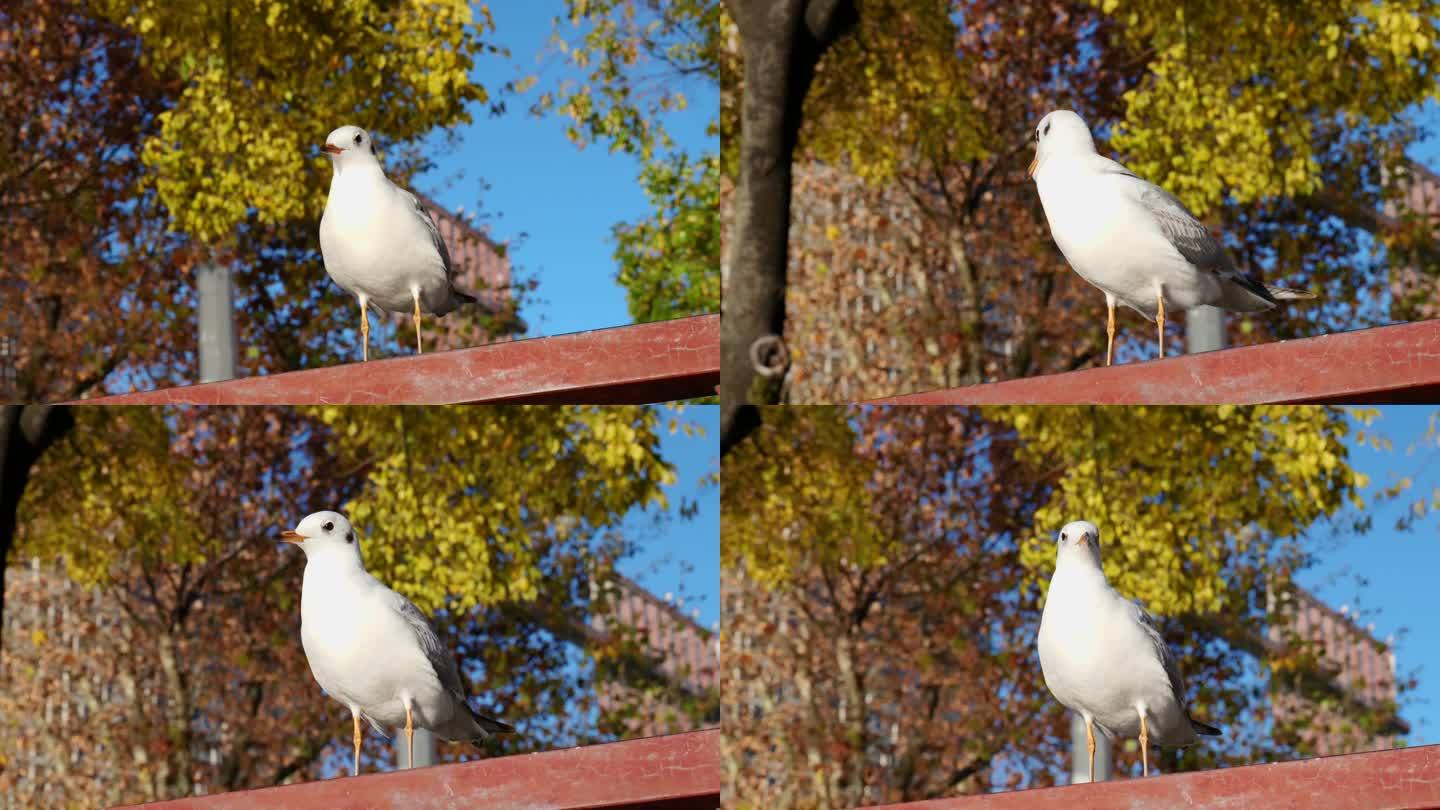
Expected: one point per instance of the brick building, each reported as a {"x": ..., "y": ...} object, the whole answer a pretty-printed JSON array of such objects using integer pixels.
[
  {"x": 1415, "y": 293},
  {"x": 1361, "y": 672},
  {"x": 683, "y": 660}
]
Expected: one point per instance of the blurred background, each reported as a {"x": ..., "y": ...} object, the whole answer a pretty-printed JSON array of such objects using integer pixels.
[
  {"x": 884, "y": 569},
  {"x": 163, "y": 178},
  {"x": 151, "y": 643},
  {"x": 919, "y": 253}
]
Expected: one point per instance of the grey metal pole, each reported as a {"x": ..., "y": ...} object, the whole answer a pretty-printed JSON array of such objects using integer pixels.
[
  {"x": 1080, "y": 757},
  {"x": 424, "y": 749},
  {"x": 217, "y": 322},
  {"x": 1204, "y": 330}
]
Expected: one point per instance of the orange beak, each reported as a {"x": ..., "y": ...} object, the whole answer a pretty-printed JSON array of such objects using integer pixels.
[
  {"x": 290, "y": 536},
  {"x": 1030, "y": 172},
  {"x": 1084, "y": 540},
  {"x": 331, "y": 148}
]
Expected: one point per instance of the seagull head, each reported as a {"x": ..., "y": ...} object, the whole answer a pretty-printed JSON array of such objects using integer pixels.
[
  {"x": 1060, "y": 132},
  {"x": 349, "y": 145},
  {"x": 1079, "y": 537},
  {"x": 324, "y": 532}
]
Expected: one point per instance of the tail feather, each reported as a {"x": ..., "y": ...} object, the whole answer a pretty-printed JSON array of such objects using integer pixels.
[
  {"x": 1288, "y": 294},
  {"x": 1203, "y": 729},
  {"x": 490, "y": 724},
  {"x": 1245, "y": 293}
]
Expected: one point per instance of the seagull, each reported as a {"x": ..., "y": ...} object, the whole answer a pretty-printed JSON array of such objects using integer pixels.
[
  {"x": 1103, "y": 658},
  {"x": 379, "y": 243},
  {"x": 1132, "y": 239},
  {"x": 371, "y": 649}
]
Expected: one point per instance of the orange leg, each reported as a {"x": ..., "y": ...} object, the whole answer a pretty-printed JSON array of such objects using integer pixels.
[
  {"x": 410, "y": 737},
  {"x": 1090, "y": 745},
  {"x": 356, "y": 717},
  {"x": 364, "y": 329},
  {"x": 1144, "y": 745},
  {"x": 1110, "y": 332},
  {"x": 1160, "y": 319}
]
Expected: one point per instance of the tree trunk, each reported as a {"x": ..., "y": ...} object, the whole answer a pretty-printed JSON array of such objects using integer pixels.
[
  {"x": 178, "y": 711},
  {"x": 26, "y": 431},
  {"x": 852, "y": 692},
  {"x": 972, "y": 318},
  {"x": 781, "y": 42}
]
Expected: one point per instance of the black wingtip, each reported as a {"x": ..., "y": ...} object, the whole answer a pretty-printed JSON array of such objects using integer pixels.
[
  {"x": 1203, "y": 729},
  {"x": 490, "y": 724}
]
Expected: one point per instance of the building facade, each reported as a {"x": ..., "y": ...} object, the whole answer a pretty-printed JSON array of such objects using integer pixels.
[
  {"x": 678, "y": 689},
  {"x": 1361, "y": 673}
]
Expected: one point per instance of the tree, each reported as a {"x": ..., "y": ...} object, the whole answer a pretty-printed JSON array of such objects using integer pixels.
[
  {"x": 884, "y": 572},
  {"x": 637, "y": 56},
  {"x": 181, "y": 659},
  {"x": 782, "y": 46},
  {"x": 924, "y": 261},
  {"x": 145, "y": 142},
  {"x": 877, "y": 644},
  {"x": 199, "y": 614},
  {"x": 263, "y": 85},
  {"x": 669, "y": 264},
  {"x": 611, "y": 456},
  {"x": 81, "y": 104}
]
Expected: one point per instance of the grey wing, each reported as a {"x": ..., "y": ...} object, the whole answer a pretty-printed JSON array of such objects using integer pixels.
[
  {"x": 1172, "y": 669},
  {"x": 1186, "y": 233},
  {"x": 1189, "y": 236},
  {"x": 440, "y": 658},
  {"x": 424, "y": 215}
]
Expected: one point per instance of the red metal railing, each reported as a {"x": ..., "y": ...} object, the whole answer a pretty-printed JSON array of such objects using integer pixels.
[
  {"x": 1388, "y": 364},
  {"x": 648, "y": 362},
  {"x": 1399, "y": 779},
  {"x": 676, "y": 772}
]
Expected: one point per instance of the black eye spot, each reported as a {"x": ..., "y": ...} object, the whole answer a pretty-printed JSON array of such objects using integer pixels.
[
  {"x": 329, "y": 526},
  {"x": 359, "y": 138},
  {"x": 1063, "y": 538},
  {"x": 350, "y": 537},
  {"x": 1047, "y": 129}
]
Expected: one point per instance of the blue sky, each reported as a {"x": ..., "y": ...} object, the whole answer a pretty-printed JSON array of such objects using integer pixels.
[
  {"x": 682, "y": 557},
  {"x": 564, "y": 199},
  {"x": 1426, "y": 150},
  {"x": 1388, "y": 575}
]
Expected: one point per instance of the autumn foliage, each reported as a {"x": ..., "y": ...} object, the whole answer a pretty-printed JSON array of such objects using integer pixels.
[
  {"x": 884, "y": 571},
  {"x": 919, "y": 256},
  {"x": 153, "y": 643}
]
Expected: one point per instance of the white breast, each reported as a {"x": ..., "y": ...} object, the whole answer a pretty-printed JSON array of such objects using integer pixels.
[
  {"x": 374, "y": 244},
  {"x": 360, "y": 652}
]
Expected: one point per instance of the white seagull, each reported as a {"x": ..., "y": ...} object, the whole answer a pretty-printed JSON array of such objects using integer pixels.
[
  {"x": 1103, "y": 658},
  {"x": 1132, "y": 239},
  {"x": 371, "y": 649},
  {"x": 379, "y": 243}
]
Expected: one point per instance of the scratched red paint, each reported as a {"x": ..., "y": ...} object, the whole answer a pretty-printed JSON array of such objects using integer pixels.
[
  {"x": 1388, "y": 364},
  {"x": 650, "y": 362},
  {"x": 675, "y": 772},
  {"x": 1399, "y": 779}
]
